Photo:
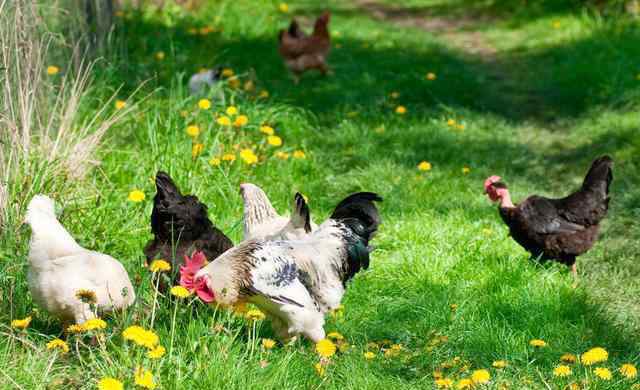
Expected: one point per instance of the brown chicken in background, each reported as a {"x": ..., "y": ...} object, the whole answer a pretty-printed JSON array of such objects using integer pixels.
[{"x": 302, "y": 52}]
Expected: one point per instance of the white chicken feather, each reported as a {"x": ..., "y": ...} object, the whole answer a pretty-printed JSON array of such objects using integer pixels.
[
  {"x": 262, "y": 221},
  {"x": 59, "y": 268},
  {"x": 296, "y": 282}
]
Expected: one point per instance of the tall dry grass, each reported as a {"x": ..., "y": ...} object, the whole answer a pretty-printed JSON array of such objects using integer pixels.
[{"x": 47, "y": 140}]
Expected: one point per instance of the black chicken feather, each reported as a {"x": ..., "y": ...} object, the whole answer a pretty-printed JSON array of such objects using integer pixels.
[{"x": 180, "y": 225}]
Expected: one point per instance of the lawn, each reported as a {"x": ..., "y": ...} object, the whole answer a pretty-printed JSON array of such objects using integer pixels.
[{"x": 531, "y": 93}]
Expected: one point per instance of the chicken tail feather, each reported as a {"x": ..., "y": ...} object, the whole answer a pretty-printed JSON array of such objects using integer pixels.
[
  {"x": 360, "y": 215},
  {"x": 599, "y": 177},
  {"x": 301, "y": 217}
]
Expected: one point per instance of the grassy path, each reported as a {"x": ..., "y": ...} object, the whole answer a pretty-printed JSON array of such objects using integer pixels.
[{"x": 531, "y": 95}]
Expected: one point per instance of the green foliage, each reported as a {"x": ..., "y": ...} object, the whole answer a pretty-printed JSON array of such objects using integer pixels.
[{"x": 536, "y": 110}]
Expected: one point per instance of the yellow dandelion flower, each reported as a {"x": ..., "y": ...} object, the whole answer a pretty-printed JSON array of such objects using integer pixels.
[
  {"x": 248, "y": 156},
  {"x": 460, "y": 126},
  {"x": 424, "y": 166},
  {"x": 75, "y": 328},
  {"x": 603, "y": 373},
  {"x": 214, "y": 161},
  {"x": 223, "y": 120},
  {"x": 232, "y": 110},
  {"x": 369, "y": 355},
  {"x": 444, "y": 383},
  {"x": 157, "y": 352},
  {"x": 431, "y": 76},
  {"x": 180, "y": 292},
  {"x": 160, "y": 266},
  {"x": 568, "y": 358},
  {"x": 395, "y": 95},
  {"x": 299, "y": 154},
  {"x": 248, "y": 86},
  {"x": 144, "y": 379},
  {"x": 206, "y": 30},
  {"x": 136, "y": 196},
  {"x": 556, "y": 24},
  {"x": 326, "y": 348},
  {"x": 335, "y": 336},
  {"x": 196, "y": 149},
  {"x": 453, "y": 306},
  {"x": 241, "y": 120},
  {"x": 204, "y": 104},
  {"x": 465, "y": 170},
  {"x": 141, "y": 336},
  {"x": 229, "y": 157},
  {"x": 451, "y": 122},
  {"x": 255, "y": 315},
  {"x": 52, "y": 70},
  {"x": 160, "y": 56},
  {"x": 120, "y": 104},
  {"x": 87, "y": 296},
  {"x": 193, "y": 131},
  {"x": 499, "y": 364},
  {"x": 263, "y": 94},
  {"x": 283, "y": 7},
  {"x": 464, "y": 384},
  {"x": 227, "y": 72},
  {"x": 21, "y": 324},
  {"x": 537, "y": 343},
  {"x": 629, "y": 371},
  {"x": 234, "y": 82},
  {"x": 274, "y": 140},
  {"x": 268, "y": 130},
  {"x": 109, "y": 383},
  {"x": 320, "y": 369},
  {"x": 282, "y": 155},
  {"x": 594, "y": 355},
  {"x": 268, "y": 344},
  {"x": 480, "y": 376},
  {"x": 401, "y": 110},
  {"x": 94, "y": 323},
  {"x": 58, "y": 344},
  {"x": 562, "y": 371}
]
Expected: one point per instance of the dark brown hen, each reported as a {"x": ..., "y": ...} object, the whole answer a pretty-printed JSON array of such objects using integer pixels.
[
  {"x": 180, "y": 226},
  {"x": 557, "y": 229}
]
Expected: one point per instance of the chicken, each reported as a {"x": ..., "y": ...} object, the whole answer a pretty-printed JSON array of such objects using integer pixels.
[
  {"x": 180, "y": 225},
  {"x": 301, "y": 52},
  {"x": 67, "y": 279},
  {"x": 295, "y": 282},
  {"x": 557, "y": 229},
  {"x": 262, "y": 221},
  {"x": 199, "y": 82}
]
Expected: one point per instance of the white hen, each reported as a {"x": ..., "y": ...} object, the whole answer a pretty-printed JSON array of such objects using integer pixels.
[
  {"x": 262, "y": 221},
  {"x": 59, "y": 268},
  {"x": 296, "y": 282}
]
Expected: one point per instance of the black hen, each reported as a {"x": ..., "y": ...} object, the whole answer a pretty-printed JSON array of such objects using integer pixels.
[
  {"x": 558, "y": 229},
  {"x": 180, "y": 226}
]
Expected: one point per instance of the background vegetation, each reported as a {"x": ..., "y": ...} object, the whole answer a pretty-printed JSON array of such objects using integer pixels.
[{"x": 531, "y": 91}]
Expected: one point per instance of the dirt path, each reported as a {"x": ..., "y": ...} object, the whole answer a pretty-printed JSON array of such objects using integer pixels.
[{"x": 503, "y": 73}]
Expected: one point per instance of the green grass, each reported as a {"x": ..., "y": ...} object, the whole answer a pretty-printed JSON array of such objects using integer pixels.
[{"x": 536, "y": 111}]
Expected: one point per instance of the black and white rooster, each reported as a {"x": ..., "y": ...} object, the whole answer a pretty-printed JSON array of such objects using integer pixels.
[{"x": 295, "y": 282}]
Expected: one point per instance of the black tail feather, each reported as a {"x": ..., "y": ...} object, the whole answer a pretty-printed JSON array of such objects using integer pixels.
[
  {"x": 360, "y": 215},
  {"x": 301, "y": 214},
  {"x": 599, "y": 177},
  {"x": 165, "y": 185}
]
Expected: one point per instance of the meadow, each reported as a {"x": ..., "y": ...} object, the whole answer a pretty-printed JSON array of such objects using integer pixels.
[{"x": 427, "y": 99}]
